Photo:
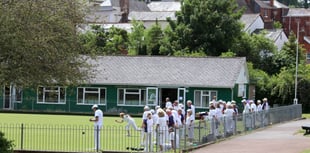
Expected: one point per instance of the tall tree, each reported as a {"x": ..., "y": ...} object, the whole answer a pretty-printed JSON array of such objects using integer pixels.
[
  {"x": 39, "y": 43},
  {"x": 210, "y": 26},
  {"x": 257, "y": 49},
  {"x": 287, "y": 56},
  {"x": 136, "y": 39},
  {"x": 153, "y": 38}
]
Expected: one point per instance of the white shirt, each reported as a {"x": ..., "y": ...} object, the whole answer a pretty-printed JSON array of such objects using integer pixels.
[
  {"x": 246, "y": 108},
  {"x": 193, "y": 111},
  {"x": 99, "y": 114},
  {"x": 162, "y": 124},
  {"x": 229, "y": 113},
  {"x": 149, "y": 127},
  {"x": 190, "y": 121},
  {"x": 145, "y": 115},
  {"x": 259, "y": 107},
  {"x": 168, "y": 104},
  {"x": 253, "y": 107}
]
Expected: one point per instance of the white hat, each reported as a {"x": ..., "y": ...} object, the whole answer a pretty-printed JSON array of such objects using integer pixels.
[
  {"x": 181, "y": 105},
  {"x": 152, "y": 111},
  {"x": 265, "y": 99},
  {"x": 94, "y": 106},
  {"x": 157, "y": 107},
  {"x": 233, "y": 102},
  {"x": 258, "y": 101},
  {"x": 146, "y": 107},
  {"x": 228, "y": 103},
  {"x": 243, "y": 100}
]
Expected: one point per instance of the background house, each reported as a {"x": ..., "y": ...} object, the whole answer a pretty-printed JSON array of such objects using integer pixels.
[
  {"x": 252, "y": 22},
  {"x": 299, "y": 17},
  {"x": 128, "y": 83}
]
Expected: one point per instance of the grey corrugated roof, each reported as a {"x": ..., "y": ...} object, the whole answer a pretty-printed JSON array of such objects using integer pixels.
[
  {"x": 165, "y": 6},
  {"x": 168, "y": 71},
  {"x": 273, "y": 34},
  {"x": 151, "y": 16},
  {"x": 134, "y": 5},
  {"x": 298, "y": 12}
]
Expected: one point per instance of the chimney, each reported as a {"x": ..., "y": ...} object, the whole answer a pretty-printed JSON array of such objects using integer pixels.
[
  {"x": 271, "y": 3},
  {"x": 124, "y": 4}
]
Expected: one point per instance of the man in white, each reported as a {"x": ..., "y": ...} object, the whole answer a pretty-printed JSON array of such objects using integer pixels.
[
  {"x": 98, "y": 122},
  {"x": 144, "y": 117},
  {"x": 130, "y": 122}
]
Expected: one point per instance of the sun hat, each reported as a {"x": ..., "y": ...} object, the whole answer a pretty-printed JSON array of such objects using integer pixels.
[{"x": 94, "y": 106}]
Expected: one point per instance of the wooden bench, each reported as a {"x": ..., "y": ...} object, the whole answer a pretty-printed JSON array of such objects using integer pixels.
[{"x": 307, "y": 128}]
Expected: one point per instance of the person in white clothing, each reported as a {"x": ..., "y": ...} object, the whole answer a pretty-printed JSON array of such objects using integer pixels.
[
  {"x": 259, "y": 106},
  {"x": 98, "y": 122},
  {"x": 130, "y": 122},
  {"x": 229, "y": 122},
  {"x": 190, "y": 125},
  {"x": 191, "y": 107},
  {"x": 246, "y": 115},
  {"x": 168, "y": 103},
  {"x": 162, "y": 129},
  {"x": 148, "y": 129},
  {"x": 144, "y": 116}
]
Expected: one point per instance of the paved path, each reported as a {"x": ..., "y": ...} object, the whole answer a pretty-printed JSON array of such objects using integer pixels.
[{"x": 279, "y": 138}]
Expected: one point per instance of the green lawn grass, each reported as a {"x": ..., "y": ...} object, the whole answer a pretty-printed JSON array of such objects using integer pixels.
[
  {"x": 306, "y": 115},
  {"x": 64, "y": 132}
]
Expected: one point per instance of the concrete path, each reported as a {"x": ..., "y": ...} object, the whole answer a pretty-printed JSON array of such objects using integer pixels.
[{"x": 279, "y": 138}]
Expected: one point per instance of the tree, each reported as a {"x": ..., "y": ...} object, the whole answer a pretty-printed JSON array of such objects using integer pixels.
[
  {"x": 287, "y": 56},
  {"x": 257, "y": 49},
  {"x": 208, "y": 25},
  {"x": 6, "y": 146},
  {"x": 39, "y": 43},
  {"x": 136, "y": 39},
  {"x": 153, "y": 38}
]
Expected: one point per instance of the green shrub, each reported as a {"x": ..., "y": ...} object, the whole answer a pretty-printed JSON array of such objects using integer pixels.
[{"x": 6, "y": 146}]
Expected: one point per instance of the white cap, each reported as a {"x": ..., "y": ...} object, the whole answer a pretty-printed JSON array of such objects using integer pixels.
[
  {"x": 94, "y": 106},
  {"x": 152, "y": 111},
  {"x": 243, "y": 100},
  {"x": 146, "y": 107}
]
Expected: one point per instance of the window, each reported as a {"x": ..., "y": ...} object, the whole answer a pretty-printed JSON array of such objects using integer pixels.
[
  {"x": 55, "y": 95},
  {"x": 308, "y": 56},
  {"x": 241, "y": 90},
  {"x": 131, "y": 96},
  {"x": 18, "y": 95},
  {"x": 203, "y": 97},
  {"x": 91, "y": 95}
]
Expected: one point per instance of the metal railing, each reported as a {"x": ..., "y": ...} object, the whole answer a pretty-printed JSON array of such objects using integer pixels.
[{"x": 78, "y": 138}]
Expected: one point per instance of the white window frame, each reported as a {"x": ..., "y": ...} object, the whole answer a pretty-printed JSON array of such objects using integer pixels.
[
  {"x": 202, "y": 94},
  {"x": 152, "y": 98},
  {"x": 56, "y": 91},
  {"x": 126, "y": 91},
  {"x": 18, "y": 92},
  {"x": 242, "y": 90},
  {"x": 85, "y": 91}
]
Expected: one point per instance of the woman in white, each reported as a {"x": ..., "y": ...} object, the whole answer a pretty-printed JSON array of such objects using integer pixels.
[
  {"x": 213, "y": 119},
  {"x": 161, "y": 129},
  {"x": 130, "y": 122},
  {"x": 190, "y": 125},
  {"x": 246, "y": 115},
  {"x": 229, "y": 122}
]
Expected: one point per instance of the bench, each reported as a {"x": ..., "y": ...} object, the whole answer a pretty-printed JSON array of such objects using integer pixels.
[{"x": 307, "y": 128}]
